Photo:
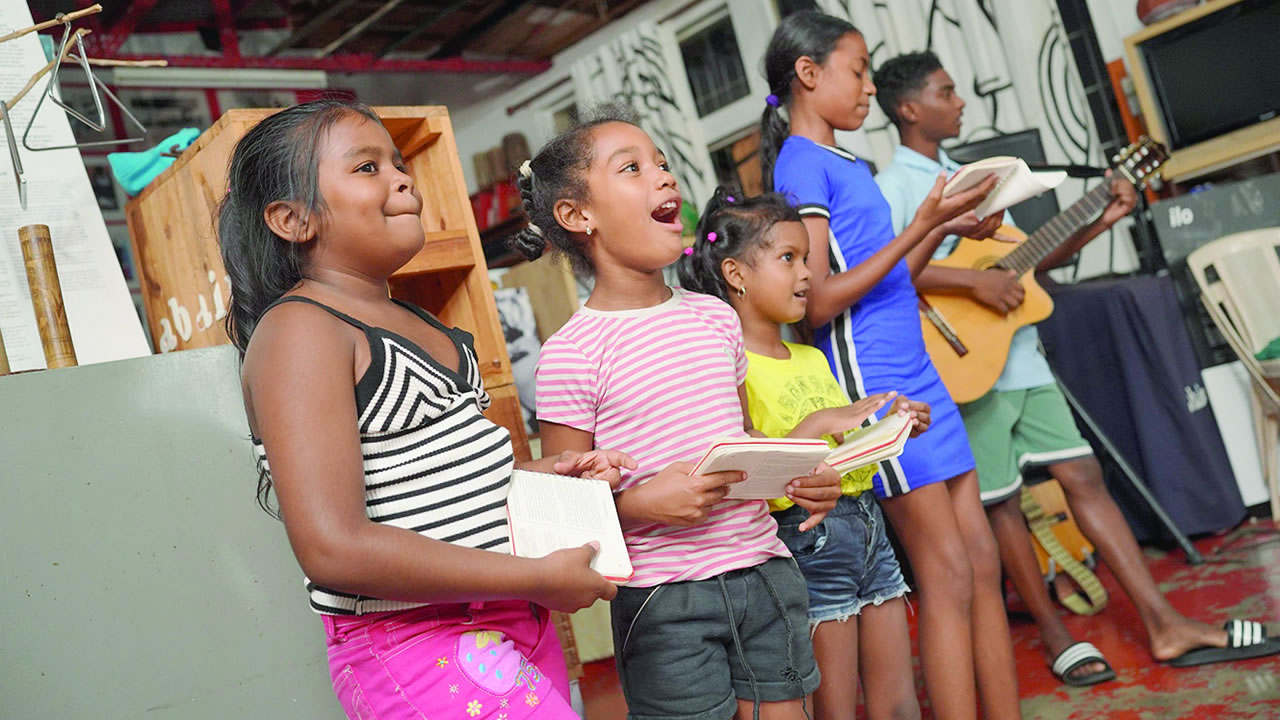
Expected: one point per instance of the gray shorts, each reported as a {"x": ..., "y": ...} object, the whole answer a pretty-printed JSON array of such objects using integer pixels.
[{"x": 689, "y": 650}]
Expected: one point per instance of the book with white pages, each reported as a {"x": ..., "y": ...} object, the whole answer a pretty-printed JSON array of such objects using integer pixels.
[
  {"x": 1016, "y": 183},
  {"x": 549, "y": 512},
  {"x": 869, "y": 445},
  {"x": 772, "y": 463}
]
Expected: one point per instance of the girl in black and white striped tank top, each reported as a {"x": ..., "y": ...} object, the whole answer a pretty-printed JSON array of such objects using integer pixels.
[
  {"x": 367, "y": 421},
  {"x": 433, "y": 463}
]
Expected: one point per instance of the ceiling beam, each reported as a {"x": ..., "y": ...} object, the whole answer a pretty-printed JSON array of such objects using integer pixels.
[
  {"x": 609, "y": 16},
  {"x": 455, "y": 45},
  {"x": 351, "y": 62},
  {"x": 193, "y": 26},
  {"x": 422, "y": 27},
  {"x": 358, "y": 28},
  {"x": 540, "y": 27},
  {"x": 109, "y": 42},
  {"x": 312, "y": 25}
]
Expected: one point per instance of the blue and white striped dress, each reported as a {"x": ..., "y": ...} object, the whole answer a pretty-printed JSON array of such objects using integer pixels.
[{"x": 876, "y": 345}]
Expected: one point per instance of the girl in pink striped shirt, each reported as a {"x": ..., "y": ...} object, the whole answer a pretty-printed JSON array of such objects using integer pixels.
[{"x": 713, "y": 623}]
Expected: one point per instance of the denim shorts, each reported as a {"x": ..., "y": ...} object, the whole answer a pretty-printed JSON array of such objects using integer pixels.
[
  {"x": 847, "y": 560},
  {"x": 691, "y": 650}
]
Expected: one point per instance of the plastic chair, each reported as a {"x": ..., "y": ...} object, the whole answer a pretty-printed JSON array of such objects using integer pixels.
[{"x": 1239, "y": 279}]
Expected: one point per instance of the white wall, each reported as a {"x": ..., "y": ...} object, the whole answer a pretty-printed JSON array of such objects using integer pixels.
[
  {"x": 481, "y": 126},
  {"x": 1113, "y": 22}
]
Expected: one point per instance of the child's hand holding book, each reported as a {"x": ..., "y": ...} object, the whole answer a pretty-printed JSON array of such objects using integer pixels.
[
  {"x": 604, "y": 465},
  {"x": 566, "y": 582},
  {"x": 836, "y": 421},
  {"x": 816, "y": 493},
  {"x": 676, "y": 496}
]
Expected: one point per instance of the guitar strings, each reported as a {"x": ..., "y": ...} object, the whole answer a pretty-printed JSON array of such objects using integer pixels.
[{"x": 1052, "y": 233}]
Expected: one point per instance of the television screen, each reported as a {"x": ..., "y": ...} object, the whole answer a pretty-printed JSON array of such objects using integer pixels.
[{"x": 1217, "y": 73}]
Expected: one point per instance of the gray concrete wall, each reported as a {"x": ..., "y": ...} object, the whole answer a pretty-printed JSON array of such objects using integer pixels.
[{"x": 138, "y": 577}]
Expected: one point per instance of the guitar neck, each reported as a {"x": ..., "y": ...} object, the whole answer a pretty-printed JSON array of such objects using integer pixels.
[{"x": 1056, "y": 232}]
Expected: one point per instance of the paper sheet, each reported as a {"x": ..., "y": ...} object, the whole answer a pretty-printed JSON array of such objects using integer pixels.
[{"x": 104, "y": 323}]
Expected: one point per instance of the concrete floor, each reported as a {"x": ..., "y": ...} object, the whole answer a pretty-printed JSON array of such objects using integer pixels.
[{"x": 1241, "y": 579}]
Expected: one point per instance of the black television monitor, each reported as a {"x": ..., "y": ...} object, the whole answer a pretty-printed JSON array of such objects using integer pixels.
[{"x": 1217, "y": 73}]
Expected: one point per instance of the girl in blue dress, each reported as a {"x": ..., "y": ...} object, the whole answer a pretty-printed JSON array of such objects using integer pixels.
[{"x": 865, "y": 316}]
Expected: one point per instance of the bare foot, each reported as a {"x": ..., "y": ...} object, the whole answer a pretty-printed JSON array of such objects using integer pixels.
[
  {"x": 1057, "y": 638},
  {"x": 1177, "y": 635}
]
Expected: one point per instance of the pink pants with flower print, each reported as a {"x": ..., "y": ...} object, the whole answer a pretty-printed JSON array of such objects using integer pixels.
[{"x": 486, "y": 661}]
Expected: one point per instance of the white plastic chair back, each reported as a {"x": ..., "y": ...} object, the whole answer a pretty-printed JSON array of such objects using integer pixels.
[{"x": 1239, "y": 279}]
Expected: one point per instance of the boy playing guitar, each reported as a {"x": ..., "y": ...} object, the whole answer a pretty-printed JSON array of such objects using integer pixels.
[{"x": 1024, "y": 421}]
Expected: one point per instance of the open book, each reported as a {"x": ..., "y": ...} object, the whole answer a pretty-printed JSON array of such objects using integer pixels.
[
  {"x": 1017, "y": 182},
  {"x": 771, "y": 463},
  {"x": 555, "y": 512},
  {"x": 866, "y": 446}
]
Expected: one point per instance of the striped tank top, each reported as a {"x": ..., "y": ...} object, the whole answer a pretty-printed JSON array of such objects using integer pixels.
[{"x": 433, "y": 463}]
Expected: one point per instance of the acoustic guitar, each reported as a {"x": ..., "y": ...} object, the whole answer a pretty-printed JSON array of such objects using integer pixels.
[{"x": 968, "y": 341}]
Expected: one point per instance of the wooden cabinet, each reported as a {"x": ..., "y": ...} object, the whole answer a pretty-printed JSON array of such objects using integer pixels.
[{"x": 185, "y": 289}]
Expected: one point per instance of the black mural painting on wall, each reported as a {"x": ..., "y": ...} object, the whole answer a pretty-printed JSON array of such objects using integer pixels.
[
  {"x": 646, "y": 86},
  {"x": 1065, "y": 122}
]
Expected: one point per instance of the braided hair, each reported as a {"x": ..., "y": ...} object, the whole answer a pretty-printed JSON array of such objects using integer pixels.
[
  {"x": 732, "y": 226},
  {"x": 803, "y": 34},
  {"x": 557, "y": 173}
]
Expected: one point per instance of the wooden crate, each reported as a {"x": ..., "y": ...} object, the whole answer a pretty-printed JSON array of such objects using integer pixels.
[{"x": 185, "y": 288}]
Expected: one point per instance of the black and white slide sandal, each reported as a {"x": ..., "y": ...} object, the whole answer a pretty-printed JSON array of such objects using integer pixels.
[
  {"x": 1246, "y": 639},
  {"x": 1076, "y": 656}
]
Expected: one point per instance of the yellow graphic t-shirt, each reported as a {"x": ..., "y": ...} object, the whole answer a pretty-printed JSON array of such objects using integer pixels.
[{"x": 781, "y": 393}]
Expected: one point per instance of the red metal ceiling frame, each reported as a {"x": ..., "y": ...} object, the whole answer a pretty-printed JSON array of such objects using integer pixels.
[
  {"x": 226, "y": 17},
  {"x": 351, "y": 62},
  {"x": 109, "y": 41},
  {"x": 192, "y": 26}
]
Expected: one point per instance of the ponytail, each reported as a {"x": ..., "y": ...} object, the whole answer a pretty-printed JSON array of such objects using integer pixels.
[
  {"x": 529, "y": 241},
  {"x": 802, "y": 34},
  {"x": 774, "y": 129}
]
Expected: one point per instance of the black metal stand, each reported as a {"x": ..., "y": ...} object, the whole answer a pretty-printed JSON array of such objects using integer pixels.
[{"x": 1193, "y": 556}]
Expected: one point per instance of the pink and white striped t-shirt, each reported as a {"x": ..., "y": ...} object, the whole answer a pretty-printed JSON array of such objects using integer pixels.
[{"x": 661, "y": 384}]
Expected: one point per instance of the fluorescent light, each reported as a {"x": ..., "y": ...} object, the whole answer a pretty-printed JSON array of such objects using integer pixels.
[{"x": 185, "y": 77}]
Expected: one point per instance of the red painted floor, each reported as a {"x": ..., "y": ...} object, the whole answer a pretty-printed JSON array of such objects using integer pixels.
[{"x": 1240, "y": 579}]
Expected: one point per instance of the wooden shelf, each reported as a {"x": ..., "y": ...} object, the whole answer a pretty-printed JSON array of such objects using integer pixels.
[{"x": 180, "y": 269}]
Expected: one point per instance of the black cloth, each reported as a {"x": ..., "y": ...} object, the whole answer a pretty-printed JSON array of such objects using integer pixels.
[{"x": 1121, "y": 347}]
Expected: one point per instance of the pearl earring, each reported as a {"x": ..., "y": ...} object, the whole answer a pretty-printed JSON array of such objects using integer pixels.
[{"x": 588, "y": 232}]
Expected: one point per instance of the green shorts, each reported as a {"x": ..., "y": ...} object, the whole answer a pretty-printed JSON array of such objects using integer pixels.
[{"x": 1012, "y": 430}]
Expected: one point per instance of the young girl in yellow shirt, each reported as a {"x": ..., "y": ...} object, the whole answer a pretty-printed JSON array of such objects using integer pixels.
[{"x": 751, "y": 252}]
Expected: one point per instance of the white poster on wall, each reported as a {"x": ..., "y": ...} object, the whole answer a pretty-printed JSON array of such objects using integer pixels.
[{"x": 104, "y": 324}]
